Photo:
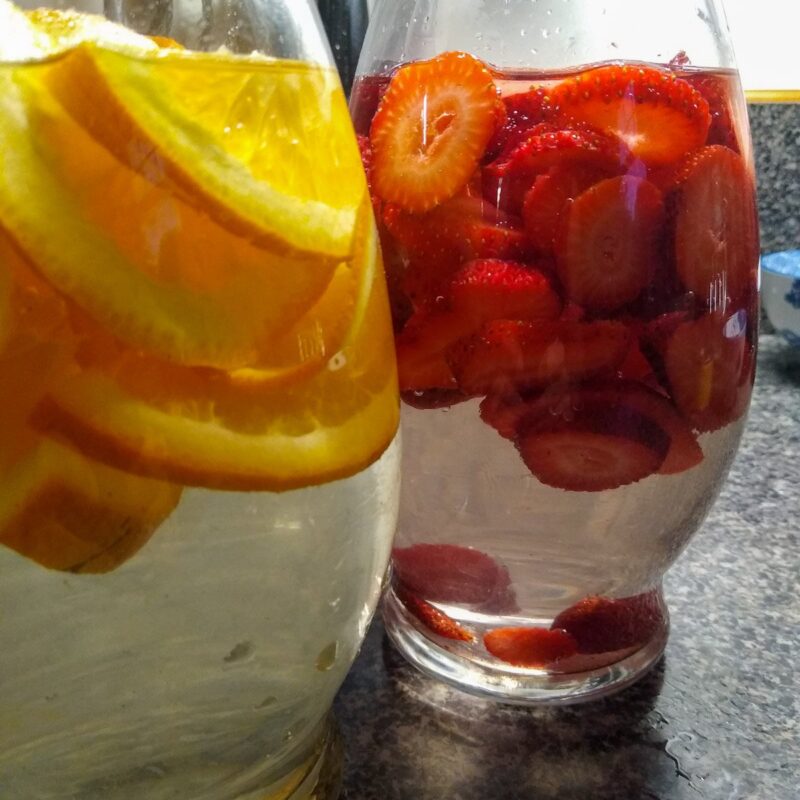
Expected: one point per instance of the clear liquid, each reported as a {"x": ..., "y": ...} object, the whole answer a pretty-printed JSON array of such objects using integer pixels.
[
  {"x": 201, "y": 667},
  {"x": 464, "y": 484}
]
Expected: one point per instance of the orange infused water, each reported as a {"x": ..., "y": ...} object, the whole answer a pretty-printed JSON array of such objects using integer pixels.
[{"x": 197, "y": 415}]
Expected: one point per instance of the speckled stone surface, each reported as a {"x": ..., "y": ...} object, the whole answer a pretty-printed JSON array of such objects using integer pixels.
[
  {"x": 776, "y": 142},
  {"x": 717, "y": 719}
]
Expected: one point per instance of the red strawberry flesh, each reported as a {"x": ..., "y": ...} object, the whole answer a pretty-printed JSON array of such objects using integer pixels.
[
  {"x": 716, "y": 230},
  {"x": 610, "y": 243},
  {"x": 433, "y": 618},
  {"x": 658, "y": 115},
  {"x": 431, "y": 128},
  {"x": 507, "y": 355},
  {"x": 546, "y": 146},
  {"x": 504, "y": 413},
  {"x": 548, "y": 198},
  {"x": 522, "y": 111},
  {"x": 437, "y": 243},
  {"x": 684, "y": 450},
  {"x": 529, "y": 647},
  {"x": 421, "y": 348},
  {"x": 594, "y": 449},
  {"x": 706, "y": 364},
  {"x": 449, "y": 573},
  {"x": 602, "y": 624},
  {"x": 722, "y": 129},
  {"x": 488, "y": 289}
]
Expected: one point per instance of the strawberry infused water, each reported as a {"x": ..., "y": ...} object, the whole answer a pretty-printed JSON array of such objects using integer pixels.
[{"x": 572, "y": 260}]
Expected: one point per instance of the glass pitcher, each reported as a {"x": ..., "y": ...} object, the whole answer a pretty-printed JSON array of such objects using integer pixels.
[
  {"x": 198, "y": 463},
  {"x": 566, "y": 203}
]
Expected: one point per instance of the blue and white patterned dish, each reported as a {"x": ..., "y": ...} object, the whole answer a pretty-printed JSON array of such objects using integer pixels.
[{"x": 780, "y": 275}]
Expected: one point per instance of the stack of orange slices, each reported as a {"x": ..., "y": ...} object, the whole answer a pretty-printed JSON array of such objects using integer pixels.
[{"x": 191, "y": 291}]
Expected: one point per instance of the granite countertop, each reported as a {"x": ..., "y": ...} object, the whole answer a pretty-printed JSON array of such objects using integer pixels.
[{"x": 717, "y": 719}]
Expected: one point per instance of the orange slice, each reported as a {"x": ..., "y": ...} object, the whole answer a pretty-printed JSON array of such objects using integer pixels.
[
  {"x": 19, "y": 40},
  {"x": 62, "y": 29},
  {"x": 5, "y": 289},
  {"x": 239, "y": 430},
  {"x": 66, "y": 512},
  {"x": 56, "y": 506},
  {"x": 154, "y": 271},
  {"x": 36, "y": 351},
  {"x": 259, "y": 145}
]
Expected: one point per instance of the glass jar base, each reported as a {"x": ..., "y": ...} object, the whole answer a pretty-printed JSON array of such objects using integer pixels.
[
  {"x": 514, "y": 685},
  {"x": 317, "y": 778}
]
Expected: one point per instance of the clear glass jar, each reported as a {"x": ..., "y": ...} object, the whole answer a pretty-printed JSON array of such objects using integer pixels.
[
  {"x": 198, "y": 463},
  {"x": 568, "y": 218}
]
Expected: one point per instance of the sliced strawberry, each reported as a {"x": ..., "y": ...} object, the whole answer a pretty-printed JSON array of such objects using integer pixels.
[
  {"x": 717, "y": 93},
  {"x": 529, "y": 647},
  {"x": 426, "y": 282},
  {"x": 488, "y": 289},
  {"x": 438, "y": 242},
  {"x": 653, "y": 336},
  {"x": 432, "y": 618},
  {"x": 716, "y": 226},
  {"x": 602, "y": 624},
  {"x": 506, "y": 191},
  {"x": 507, "y": 355},
  {"x": 587, "y": 662},
  {"x": 511, "y": 415},
  {"x": 532, "y": 106},
  {"x": 431, "y": 128},
  {"x": 395, "y": 266},
  {"x": 658, "y": 115},
  {"x": 504, "y": 413},
  {"x": 657, "y": 332},
  {"x": 705, "y": 362},
  {"x": 594, "y": 448},
  {"x": 421, "y": 347},
  {"x": 545, "y": 147},
  {"x": 500, "y": 130},
  {"x": 449, "y": 573},
  {"x": 485, "y": 239},
  {"x": 572, "y": 312},
  {"x": 507, "y": 180},
  {"x": 424, "y": 244},
  {"x": 610, "y": 243},
  {"x": 637, "y": 367},
  {"x": 550, "y": 194},
  {"x": 522, "y": 112},
  {"x": 684, "y": 450}
]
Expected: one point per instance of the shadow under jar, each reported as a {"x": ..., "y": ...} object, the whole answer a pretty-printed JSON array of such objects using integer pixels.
[
  {"x": 198, "y": 475},
  {"x": 567, "y": 211}
]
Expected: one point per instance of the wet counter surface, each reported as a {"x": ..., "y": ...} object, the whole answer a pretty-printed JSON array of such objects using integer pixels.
[{"x": 717, "y": 719}]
